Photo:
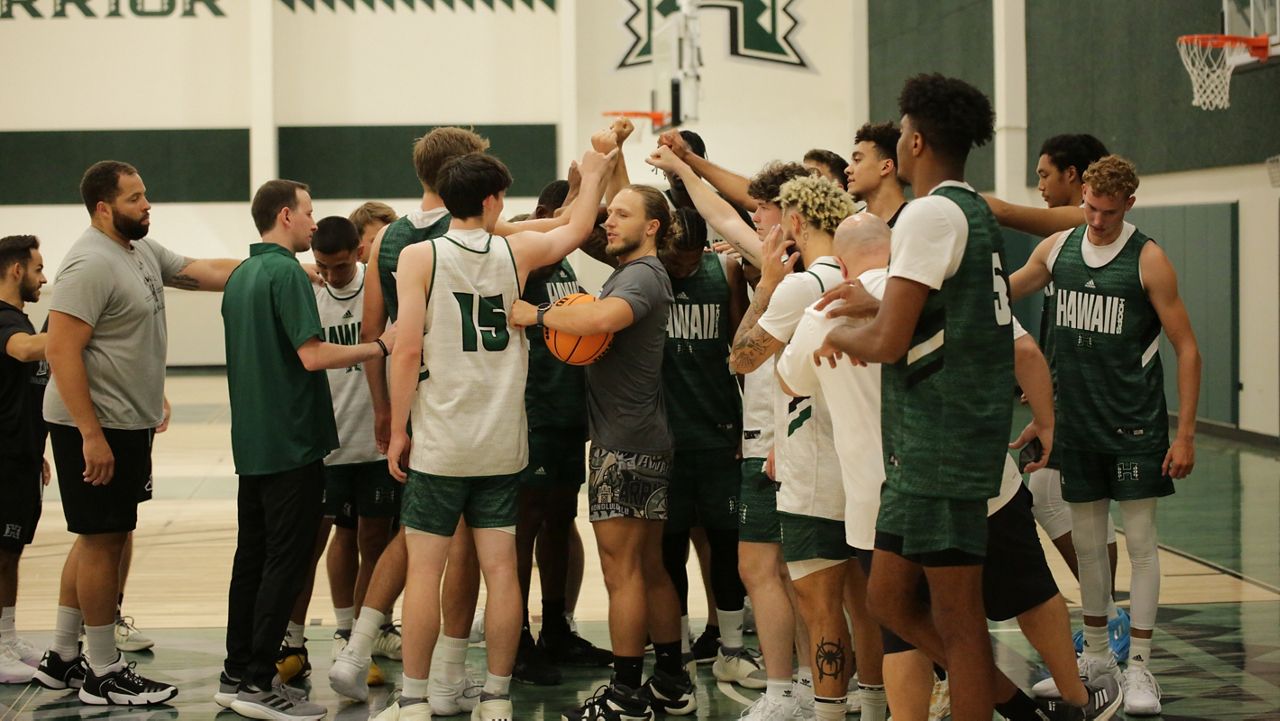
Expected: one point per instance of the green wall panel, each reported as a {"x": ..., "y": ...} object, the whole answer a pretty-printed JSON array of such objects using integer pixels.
[
  {"x": 909, "y": 37},
  {"x": 178, "y": 166},
  {"x": 376, "y": 161},
  {"x": 1111, "y": 69}
]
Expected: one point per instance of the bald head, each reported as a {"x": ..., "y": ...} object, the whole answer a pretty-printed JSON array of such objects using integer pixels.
[{"x": 862, "y": 242}]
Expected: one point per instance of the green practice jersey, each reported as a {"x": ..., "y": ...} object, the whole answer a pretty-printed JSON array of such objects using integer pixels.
[
  {"x": 400, "y": 235},
  {"x": 556, "y": 394}
]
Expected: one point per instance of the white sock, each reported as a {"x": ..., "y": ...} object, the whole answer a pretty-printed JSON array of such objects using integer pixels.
[
  {"x": 875, "y": 706},
  {"x": 686, "y": 635},
  {"x": 448, "y": 662},
  {"x": 296, "y": 636},
  {"x": 1095, "y": 640},
  {"x": 1139, "y": 651},
  {"x": 365, "y": 630},
  {"x": 497, "y": 685},
  {"x": 778, "y": 689},
  {"x": 346, "y": 616},
  {"x": 830, "y": 709},
  {"x": 8, "y": 627},
  {"x": 804, "y": 676},
  {"x": 66, "y": 633},
  {"x": 413, "y": 687},
  {"x": 730, "y": 628},
  {"x": 101, "y": 650}
]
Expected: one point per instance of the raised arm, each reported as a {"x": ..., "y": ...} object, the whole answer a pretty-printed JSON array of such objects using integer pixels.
[
  {"x": 1162, "y": 288},
  {"x": 729, "y": 183},
  {"x": 1034, "y": 275},
  {"x": 373, "y": 320},
  {"x": 413, "y": 286},
  {"x": 204, "y": 274},
  {"x": 1036, "y": 221},
  {"x": 714, "y": 209},
  {"x": 535, "y": 250}
]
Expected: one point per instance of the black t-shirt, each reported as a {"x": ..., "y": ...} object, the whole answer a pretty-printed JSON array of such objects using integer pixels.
[{"x": 22, "y": 429}]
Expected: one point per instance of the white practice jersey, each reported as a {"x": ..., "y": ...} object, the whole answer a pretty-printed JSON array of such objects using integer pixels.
[
  {"x": 469, "y": 416},
  {"x": 341, "y": 309},
  {"x": 757, "y": 411}
]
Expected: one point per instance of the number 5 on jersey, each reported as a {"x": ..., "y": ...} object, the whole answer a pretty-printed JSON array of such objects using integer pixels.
[{"x": 484, "y": 323}]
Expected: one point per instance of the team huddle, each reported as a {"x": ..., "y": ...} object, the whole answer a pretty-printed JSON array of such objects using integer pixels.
[{"x": 810, "y": 380}]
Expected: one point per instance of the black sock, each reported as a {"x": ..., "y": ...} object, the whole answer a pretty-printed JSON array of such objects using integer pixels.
[
  {"x": 553, "y": 616},
  {"x": 668, "y": 659},
  {"x": 711, "y": 630},
  {"x": 1020, "y": 707},
  {"x": 627, "y": 670},
  {"x": 940, "y": 672}
]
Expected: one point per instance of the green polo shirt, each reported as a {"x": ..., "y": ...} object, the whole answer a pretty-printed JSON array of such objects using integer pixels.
[{"x": 281, "y": 414}]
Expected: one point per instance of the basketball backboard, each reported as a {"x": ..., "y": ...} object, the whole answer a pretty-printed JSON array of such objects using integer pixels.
[
  {"x": 1252, "y": 18},
  {"x": 676, "y": 66}
]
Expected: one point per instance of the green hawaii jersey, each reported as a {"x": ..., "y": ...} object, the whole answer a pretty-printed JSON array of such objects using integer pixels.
[
  {"x": 704, "y": 404},
  {"x": 1110, "y": 380},
  {"x": 948, "y": 403},
  {"x": 556, "y": 393},
  {"x": 400, "y": 235}
]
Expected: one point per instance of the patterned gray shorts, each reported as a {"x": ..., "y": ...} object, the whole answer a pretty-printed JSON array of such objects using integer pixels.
[{"x": 626, "y": 484}]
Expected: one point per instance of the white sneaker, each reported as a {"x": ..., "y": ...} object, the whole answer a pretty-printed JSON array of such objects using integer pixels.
[
  {"x": 25, "y": 651},
  {"x": 452, "y": 699},
  {"x": 129, "y": 638},
  {"x": 495, "y": 709},
  {"x": 767, "y": 709},
  {"x": 1141, "y": 692},
  {"x": 741, "y": 666},
  {"x": 349, "y": 675},
  {"x": 12, "y": 669},
  {"x": 477, "y": 627},
  {"x": 853, "y": 696},
  {"x": 394, "y": 712},
  {"x": 940, "y": 700},
  {"x": 803, "y": 695},
  {"x": 340, "y": 642},
  {"x": 388, "y": 643},
  {"x": 1091, "y": 668}
]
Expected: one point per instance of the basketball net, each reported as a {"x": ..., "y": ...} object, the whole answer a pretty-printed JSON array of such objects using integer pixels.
[{"x": 1210, "y": 59}]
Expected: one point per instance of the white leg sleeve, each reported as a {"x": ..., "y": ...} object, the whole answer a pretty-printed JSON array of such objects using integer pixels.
[
  {"x": 1144, "y": 584},
  {"x": 1050, "y": 510},
  {"x": 1089, "y": 536}
]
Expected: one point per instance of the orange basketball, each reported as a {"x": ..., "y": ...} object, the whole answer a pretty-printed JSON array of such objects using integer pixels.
[{"x": 578, "y": 350}]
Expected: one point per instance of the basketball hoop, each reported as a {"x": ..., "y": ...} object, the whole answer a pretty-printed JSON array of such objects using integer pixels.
[
  {"x": 658, "y": 119},
  {"x": 1209, "y": 60}
]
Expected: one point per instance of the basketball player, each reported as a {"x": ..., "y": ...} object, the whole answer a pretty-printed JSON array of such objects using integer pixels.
[
  {"x": 932, "y": 519},
  {"x": 1116, "y": 291},
  {"x": 827, "y": 164},
  {"x": 470, "y": 430},
  {"x": 23, "y": 468},
  {"x": 106, "y": 349},
  {"x": 370, "y": 218},
  {"x": 873, "y": 171}
]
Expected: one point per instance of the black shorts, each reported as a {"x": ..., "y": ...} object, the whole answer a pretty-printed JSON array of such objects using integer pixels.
[
  {"x": 22, "y": 491},
  {"x": 1015, "y": 578},
  {"x": 111, "y": 508}
]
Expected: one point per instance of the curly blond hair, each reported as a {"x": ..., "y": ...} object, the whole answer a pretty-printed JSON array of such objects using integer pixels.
[
  {"x": 1112, "y": 175},
  {"x": 819, "y": 201}
]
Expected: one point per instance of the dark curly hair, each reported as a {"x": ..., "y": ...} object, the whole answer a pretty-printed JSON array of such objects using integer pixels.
[
  {"x": 953, "y": 116},
  {"x": 882, "y": 135},
  {"x": 1073, "y": 151},
  {"x": 832, "y": 160},
  {"x": 766, "y": 184}
]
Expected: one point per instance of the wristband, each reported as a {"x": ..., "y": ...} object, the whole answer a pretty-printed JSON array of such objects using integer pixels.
[{"x": 383, "y": 346}]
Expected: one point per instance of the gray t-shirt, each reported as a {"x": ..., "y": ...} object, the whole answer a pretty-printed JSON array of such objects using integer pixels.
[
  {"x": 121, "y": 294},
  {"x": 625, "y": 410}
]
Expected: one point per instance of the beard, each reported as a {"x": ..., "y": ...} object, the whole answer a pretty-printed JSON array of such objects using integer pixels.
[
  {"x": 622, "y": 248},
  {"x": 129, "y": 228},
  {"x": 29, "y": 289}
]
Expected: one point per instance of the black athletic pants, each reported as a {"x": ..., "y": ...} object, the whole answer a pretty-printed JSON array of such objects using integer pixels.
[{"x": 278, "y": 516}]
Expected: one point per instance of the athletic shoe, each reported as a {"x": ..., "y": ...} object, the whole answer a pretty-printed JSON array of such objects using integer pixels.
[
  {"x": 24, "y": 650},
  {"x": 741, "y": 666},
  {"x": 388, "y": 643},
  {"x": 853, "y": 698},
  {"x": 1104, "y": 701},
  {"x": 282, "y": 703},
  {"x": 341, "y": 638},
  {"x": 532, "y": 665},
  {"x": 477, "y": 627},
  {"x": 124, "y": 687},
  {"x": 349, "y": 675},
  {"x": 767, "y": 709},
  {"x": 1141, "y": 692},
  {"x": 570, "y": 649},
  {"x": 293, "y": 664},
  {"x": 227, "y": 689},
  {"x": 707, "y": 645},
  {"x": 748, "y": 617},
  {"x": 417, "y": 711},
  {"x": 669, "y": 694},
  {"x": 940, "y": 700},
  {"x": 375, "y": 677},
  {"x": 1091, "y": 669},
  {"x": 128, "y": 637},
  {"x": 12, "y": 669},
  {"x": 56, "y": 674},
  {"x": 612, "y": 703},
  {"x": 453, "y": 699},
  {"x": 805, "y": 709},
  {"x": 493, "y": 709}
]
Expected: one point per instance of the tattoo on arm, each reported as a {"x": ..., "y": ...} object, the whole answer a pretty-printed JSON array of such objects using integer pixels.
[
  {"x": 182, "y": 281},
  {"x": 829, "y": 658}
]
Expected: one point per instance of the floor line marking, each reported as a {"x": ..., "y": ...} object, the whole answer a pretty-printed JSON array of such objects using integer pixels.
[{"x": 727, "y": 689}]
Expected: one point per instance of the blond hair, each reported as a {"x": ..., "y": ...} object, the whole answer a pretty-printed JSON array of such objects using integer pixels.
[
  {"x": 433, "y": 150},
  {"x": 819, "y": 201},
  {"x": 1112, "y": 175},
  {"x": 371, "y": 212}
]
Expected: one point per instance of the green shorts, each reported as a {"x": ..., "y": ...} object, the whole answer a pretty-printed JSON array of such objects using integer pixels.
[
  {"x": 757, "y": 505},
  {"x": 366, "y": 490},
  {"x": 704, "y": 490},
  {"x": 1089, "y": 476},
  {"x": 805, "y": 538},
  {"x": 434, "y": 503},
  {"x": 556, "y": 457},
  {"x": 928, "y": 525}
]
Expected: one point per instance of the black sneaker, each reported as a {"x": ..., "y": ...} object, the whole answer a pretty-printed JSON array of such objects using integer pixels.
[
  {"x": 124, "y": 687},
  {"x": 707, "y": 645},
  {"x": 670, "y": 694},
  {"x": 1104, "y": 701},
  {"x": 56, "y": 674},
  {"x": 567, "y": 648},
  {"x": 532, "y": 665},
  {"x": 611, "y": 703}
]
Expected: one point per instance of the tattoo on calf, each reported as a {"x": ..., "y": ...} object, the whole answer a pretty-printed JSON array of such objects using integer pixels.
[{"x": 829, "y": 658}]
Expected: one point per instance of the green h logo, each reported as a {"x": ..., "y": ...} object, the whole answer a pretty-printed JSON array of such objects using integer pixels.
[{"x": 758, "y": 29}]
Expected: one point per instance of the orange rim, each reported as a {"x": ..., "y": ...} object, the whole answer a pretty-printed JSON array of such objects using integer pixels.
[
  {"x": 1257, "y": 46},
  {"x": 657, "y": 117}
]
